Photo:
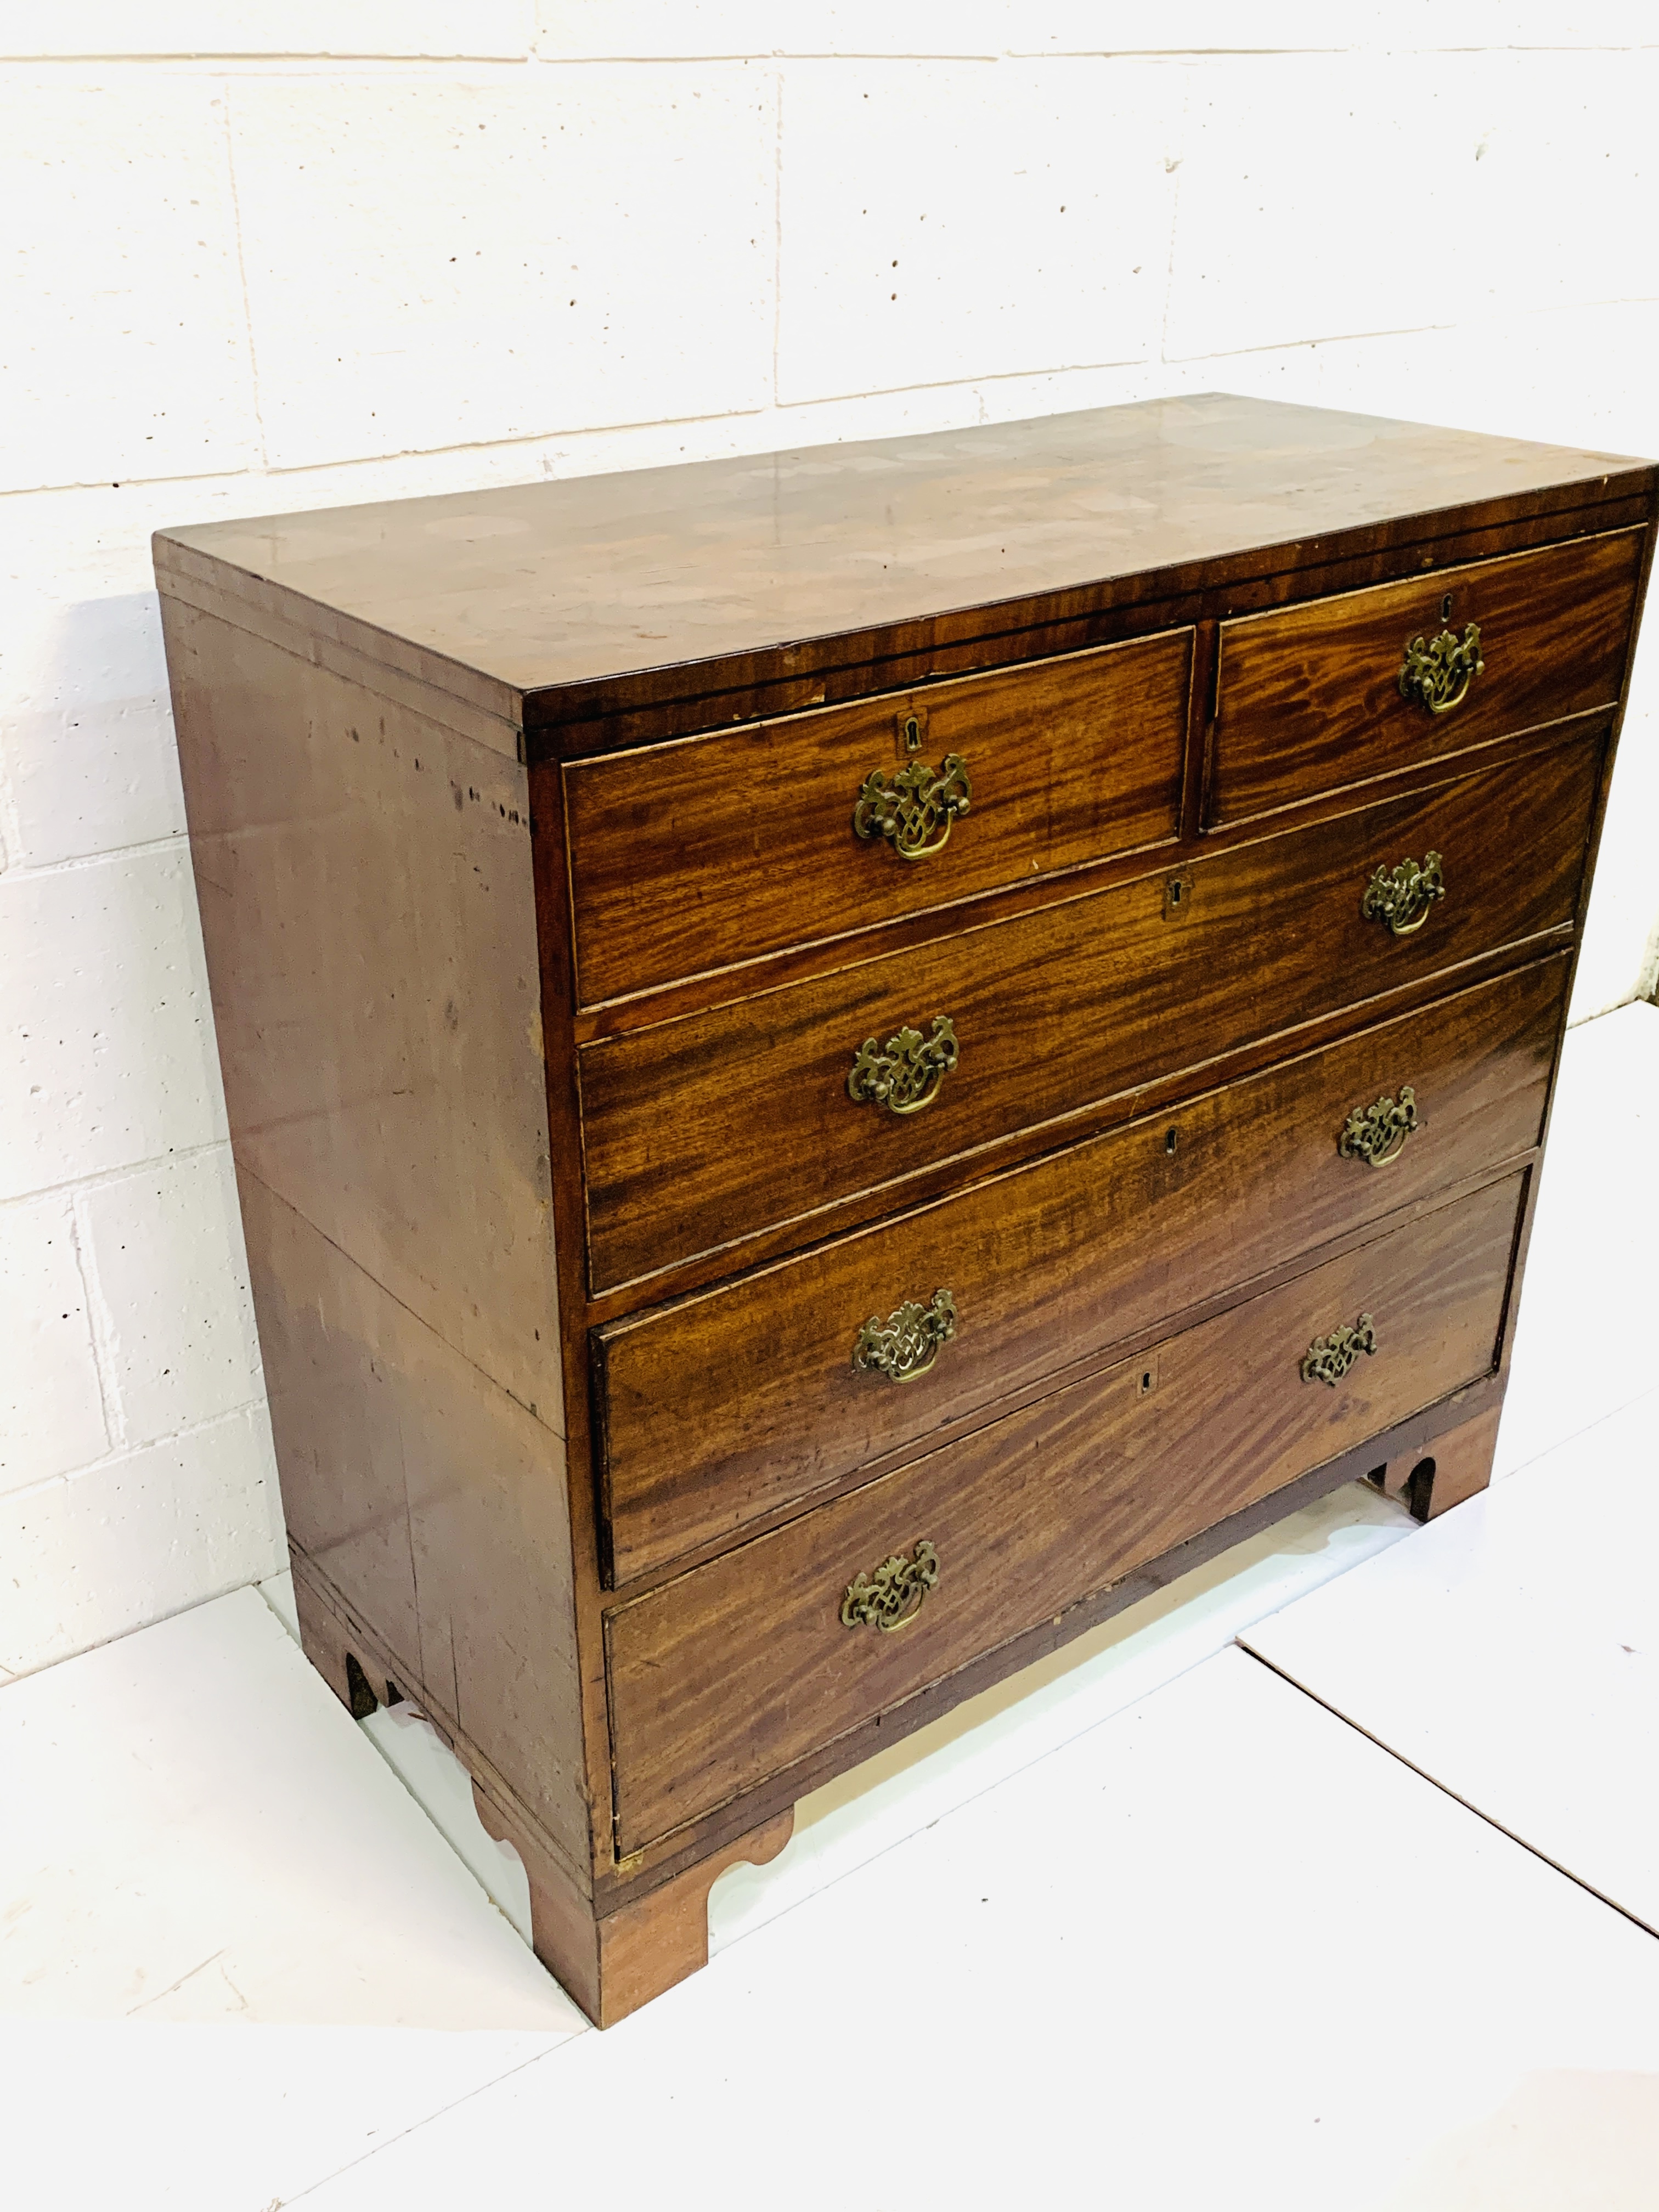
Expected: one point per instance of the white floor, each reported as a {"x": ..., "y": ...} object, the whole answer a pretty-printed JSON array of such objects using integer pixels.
[
  {"x": 1547, "y": 1633},
  {"x": 1150, "y": 1926}
]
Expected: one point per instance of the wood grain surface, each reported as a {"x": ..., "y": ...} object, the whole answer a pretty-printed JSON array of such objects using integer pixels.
[
  {"x": 700, "y": 1130},
  {"x": 742, "y": 1666},
  {"x": 368, "y": 917},
  {"x": 1310, "y": 700},
  {"x": 731, "y": 1405},
  {"x": 694, "y": 856},
  {"x": 368, "y": 913},
  {"x": 432, "y": 1502}
]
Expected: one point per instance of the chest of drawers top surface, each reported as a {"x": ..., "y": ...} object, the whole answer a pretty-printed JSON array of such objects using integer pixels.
[{"x": 666, "y": 582}]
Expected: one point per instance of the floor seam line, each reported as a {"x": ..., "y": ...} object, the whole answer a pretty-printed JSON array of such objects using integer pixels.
[
  {"x": 1434, "y": 1783},
  {"x": 1577, "y": 1435},
  {"x": 414, "y": 2126}
]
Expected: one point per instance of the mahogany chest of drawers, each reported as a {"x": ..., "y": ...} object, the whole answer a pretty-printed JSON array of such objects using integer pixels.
[{"x": 840, "y": 1063}]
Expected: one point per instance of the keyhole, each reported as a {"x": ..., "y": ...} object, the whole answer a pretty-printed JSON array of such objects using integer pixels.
[
  {"x": 1174, "y": 894},
  {"x": 1146, "y": 1380},
  {"x": 1445, "y": 608},
  {"x": 913, "y": 734},
  {"x": 1171, "y": 1139}
]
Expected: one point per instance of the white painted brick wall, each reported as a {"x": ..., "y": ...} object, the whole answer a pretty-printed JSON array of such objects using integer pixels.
[{"x": 264, "y": 256}]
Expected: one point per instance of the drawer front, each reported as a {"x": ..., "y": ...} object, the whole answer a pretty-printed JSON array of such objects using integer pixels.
[
  {"x": 743, "y": 1667},
  {"x": 747, "y": 1399},
  {"x": 700, "y": 1131},
  {"x": 1310, "y": 700},
  {"x": 692, "y": 856}
]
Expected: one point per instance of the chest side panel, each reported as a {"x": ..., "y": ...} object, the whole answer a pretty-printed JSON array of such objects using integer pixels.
[{"x": 364, "y": 880}]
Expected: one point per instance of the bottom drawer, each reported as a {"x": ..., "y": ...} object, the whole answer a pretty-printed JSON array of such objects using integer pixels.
[{"x": 743, "y": 1666}]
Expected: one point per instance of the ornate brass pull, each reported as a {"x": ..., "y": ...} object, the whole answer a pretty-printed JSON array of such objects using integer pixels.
[
  {"x": 1377, "y": 1133},
  {"x": 907, "y": 1343},
  {"x": 913, "y": 810},
  {"x": 892, "y": 1597},
  {"x": 1402, "y": 896},
  {"x": 1329, "y": 1358},
  {"x": 905, "y": 1075},
  {"x": 1437, "y": 674}
]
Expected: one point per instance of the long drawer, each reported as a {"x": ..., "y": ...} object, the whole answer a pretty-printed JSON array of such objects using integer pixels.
[
  {"x": 689, "y": 857},
  {"x": 745, "y": 1399},
  {"x": 1319, "y": 697},
  {"x": 741, "y": 1667},
  {"x": 701, "y": 1131}
]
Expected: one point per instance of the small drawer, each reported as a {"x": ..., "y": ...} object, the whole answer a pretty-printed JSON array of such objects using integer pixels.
[
  {"x": 711, "y": 851},
  {"x": 701, "y": 1131},
  {"x": 749, "y": 1398},
  {"x": 739, "y": 1670},
  {"x": 1321, "y": 697}
]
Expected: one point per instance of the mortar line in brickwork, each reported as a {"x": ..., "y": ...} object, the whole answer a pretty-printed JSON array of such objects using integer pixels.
[
  {"x": 241, "y": 274},
  {"x": 1343, "y": 338},
  {"x": 968, "y": 387},
  {"x": 1174, "y": 160},
  {"x": 777, "y": 228},
  {"x": 275, "y": 472},
  {"x": 92, "y": 1301},
  {"x": 121, "y": 1455},
  {"x": 33, "y": 871},
  {"x": 776, "y": 410},
  {"x": 105, "y": 1337},
  {"x": 11, "y": 826},
  {"x": 198, "y": 61},
  {"x": 101, "y": 1177}
]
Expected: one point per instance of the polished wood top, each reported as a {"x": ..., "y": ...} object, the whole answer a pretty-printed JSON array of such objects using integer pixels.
[{"x": 549, "y": 585}]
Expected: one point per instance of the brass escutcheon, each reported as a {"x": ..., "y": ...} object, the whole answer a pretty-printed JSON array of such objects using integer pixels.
[
  {"x": 905, "y": 1074},
  {"x": 908, "y": 1342},
  {"x": 1437, "y": 673},
  {"x": 1401, "y": 895},
  {"x": 914, "y": 808},
  {"x": 892, "y": 1597},
  {"x": 1329, "y": 1358},
  {"x": 1377, "y": 1133}
]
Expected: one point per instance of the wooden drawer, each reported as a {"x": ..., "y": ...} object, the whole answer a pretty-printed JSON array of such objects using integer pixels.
[
  {"x": 700, "y": 1131},
  {"x": 1310, "y": 700},
  {"x": 739, "y": 1669},
  {"x": 746, "y": 1399},
  {"x": 693, "y": 856}
]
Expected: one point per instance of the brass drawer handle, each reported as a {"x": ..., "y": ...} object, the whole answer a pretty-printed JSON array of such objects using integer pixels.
[
  {"x": 904, "y": 1075},
  {"x": 913, "y": 810},
  {"x": 1377, "y": 1133},
  {"x": 907, "y": 1343},
  {"x": 1329, "y": 1358},
  {"x": 892, "y": 1597},
  {"x": 1437, "y": 673},
  {"x": 1402, "y": 896}
]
